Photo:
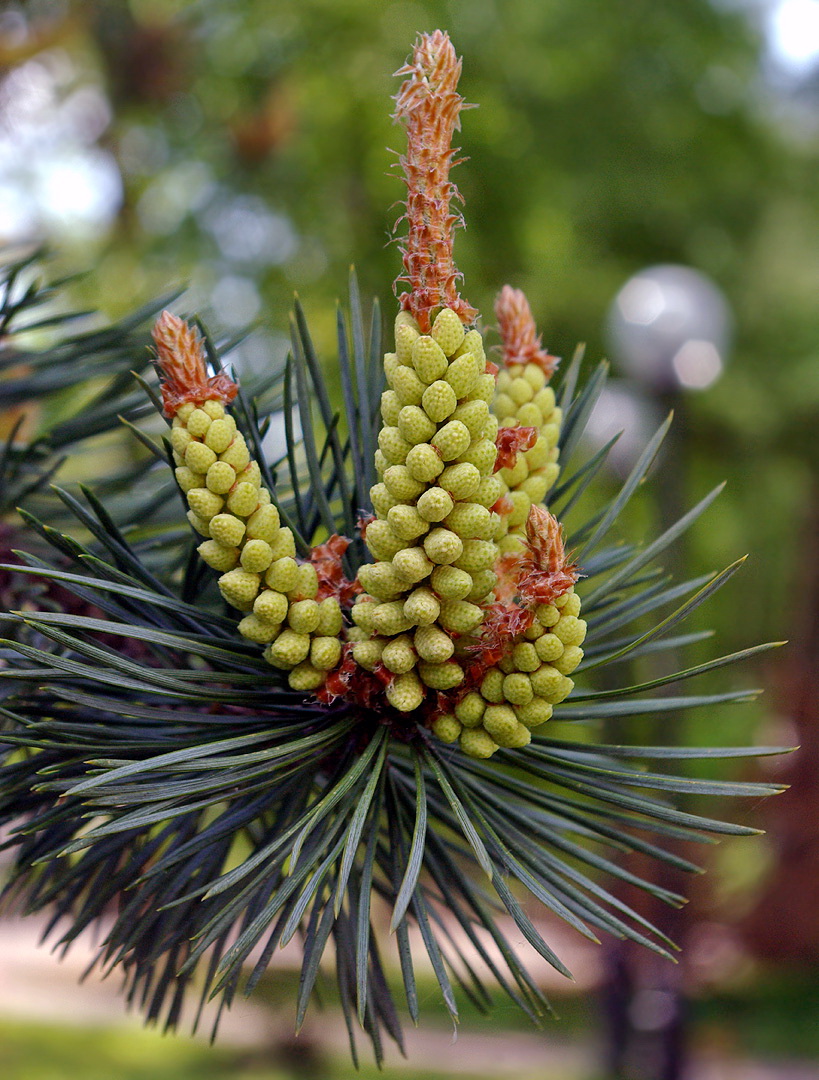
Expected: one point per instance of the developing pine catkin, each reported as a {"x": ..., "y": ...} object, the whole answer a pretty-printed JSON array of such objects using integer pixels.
[
  {"x": 244, "y": 538},
  {"x": 427, "y": 526}
]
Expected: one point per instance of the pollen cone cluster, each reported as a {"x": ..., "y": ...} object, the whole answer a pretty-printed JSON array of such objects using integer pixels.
[
  {"x": 466, "y": 621},
  {"x": 434, "y": 534},
  {"x": 524, "y": 399},
  {"x": 518, "y": 692},
  {"x": 228, "y": 505}
]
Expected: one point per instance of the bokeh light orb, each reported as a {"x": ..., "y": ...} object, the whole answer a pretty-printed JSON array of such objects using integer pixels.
[
  {"x": 625, "y": 410},
  {"x": 669, "y": 328}
]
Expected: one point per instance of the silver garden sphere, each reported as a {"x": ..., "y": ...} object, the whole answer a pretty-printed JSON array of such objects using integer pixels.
[{"x": 669, "y": 329}]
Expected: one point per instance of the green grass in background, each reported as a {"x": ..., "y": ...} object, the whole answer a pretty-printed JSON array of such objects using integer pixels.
[
  {"x": 30, "y": 1051},
  {"x": 773, "y": 1019}
]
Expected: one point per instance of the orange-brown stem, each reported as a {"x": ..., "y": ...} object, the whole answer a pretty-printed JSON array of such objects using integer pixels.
[
  {"x": 430, "y": 106},
  {"x": 520, "y": 341},
  {"x": 181, "y": 355},
  {"x": 511, "y": 442},
  {"x": 545, "y": 571}
]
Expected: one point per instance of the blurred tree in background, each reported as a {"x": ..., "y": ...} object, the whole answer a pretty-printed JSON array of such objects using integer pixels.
[{"x": 241, "y": 148}]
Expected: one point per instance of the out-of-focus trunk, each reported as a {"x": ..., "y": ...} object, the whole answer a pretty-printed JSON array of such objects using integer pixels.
[{"x": 784, "y": 925}]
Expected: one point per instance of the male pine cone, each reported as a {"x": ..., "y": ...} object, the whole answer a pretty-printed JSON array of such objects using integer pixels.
[
  {"x": 519, "y": 692},
  {"x": 524, "y": 399},
  {"x": 434, "y": 534},
  {"x": 229, "y": 505}
]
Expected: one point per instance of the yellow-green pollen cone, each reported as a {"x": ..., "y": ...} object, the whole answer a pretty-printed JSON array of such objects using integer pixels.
[
  {"x": 518, "y": 693},
  {"x": 245, "y": 541},
  {"x": 433, "y": 539},
  {"x": 524, "y": 399}
]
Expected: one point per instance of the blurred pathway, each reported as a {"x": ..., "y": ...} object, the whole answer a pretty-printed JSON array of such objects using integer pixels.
[{"x": 36, "y": 986}]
